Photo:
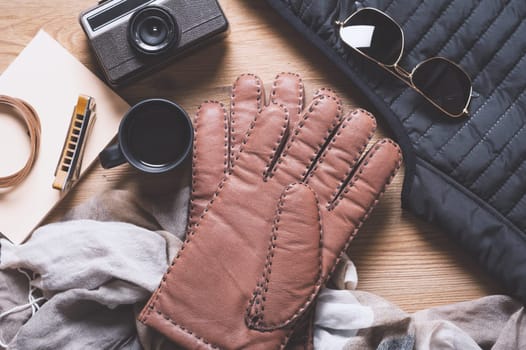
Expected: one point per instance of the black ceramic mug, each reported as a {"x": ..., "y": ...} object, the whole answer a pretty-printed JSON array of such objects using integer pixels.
[{"x": 155, "y": 136}]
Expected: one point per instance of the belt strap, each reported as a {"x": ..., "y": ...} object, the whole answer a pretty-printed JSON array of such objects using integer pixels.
[{"x": 30, "y": 117}]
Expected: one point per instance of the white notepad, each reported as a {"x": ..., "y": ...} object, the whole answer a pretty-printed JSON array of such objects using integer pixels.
[{"x": 49, "y": 78}]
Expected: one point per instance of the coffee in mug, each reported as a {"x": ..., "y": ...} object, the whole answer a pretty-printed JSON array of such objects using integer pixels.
[{"x": 155, "y": 136}]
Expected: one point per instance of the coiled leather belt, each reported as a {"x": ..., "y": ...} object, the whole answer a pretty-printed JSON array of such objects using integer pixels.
[{"x": 30, "y": 117}]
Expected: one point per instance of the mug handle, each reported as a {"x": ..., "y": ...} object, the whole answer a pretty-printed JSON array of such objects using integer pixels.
[{"x": 111, "y": 156}]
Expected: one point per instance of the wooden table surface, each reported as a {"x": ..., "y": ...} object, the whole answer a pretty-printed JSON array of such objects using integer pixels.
[{"x": 398, "y": 256}]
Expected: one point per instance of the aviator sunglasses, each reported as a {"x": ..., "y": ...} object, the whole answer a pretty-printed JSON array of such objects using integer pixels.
[{"x": 378, "y": 37}]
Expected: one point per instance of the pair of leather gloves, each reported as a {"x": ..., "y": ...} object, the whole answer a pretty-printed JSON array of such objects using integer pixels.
[{"x": 279, "y": 191}]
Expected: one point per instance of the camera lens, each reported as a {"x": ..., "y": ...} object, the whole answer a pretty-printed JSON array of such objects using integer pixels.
[{"x": 152, "y": 30}]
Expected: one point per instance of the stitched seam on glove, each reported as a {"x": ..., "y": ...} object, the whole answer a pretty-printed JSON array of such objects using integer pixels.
[
  {"x": 199, "y": 339},
  {"x": 366, "y": 215},
  {"x": 191, "y": 232},
  {"x": 354, "y": 161},
  {"x": 326, "y": 140},
  {"x": 276, "y": 149},
  {"x": 362, "y": 168},
  {"x": 299, "y": 87},
  {"x": 232, "y": 108},
  {"x": 191, "y": 206},
  {"x": 297, "y": 131},
  {"x": 255, "y": 319}
]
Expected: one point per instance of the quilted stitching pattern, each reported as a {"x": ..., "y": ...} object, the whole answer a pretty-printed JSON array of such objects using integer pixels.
[{"x": 483, "y": 153}]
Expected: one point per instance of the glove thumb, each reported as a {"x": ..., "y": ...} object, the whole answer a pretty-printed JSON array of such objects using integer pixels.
[{"x": 291, "y": 275}]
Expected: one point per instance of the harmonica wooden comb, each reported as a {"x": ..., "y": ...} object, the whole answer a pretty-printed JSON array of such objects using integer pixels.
[{"x": 69, "y": 164}]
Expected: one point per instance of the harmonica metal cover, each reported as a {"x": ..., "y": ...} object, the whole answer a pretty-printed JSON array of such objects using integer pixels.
[{"x": 69, "y": 164}]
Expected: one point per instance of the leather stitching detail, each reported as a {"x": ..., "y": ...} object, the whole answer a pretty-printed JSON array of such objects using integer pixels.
[
  {"x": 191, "y": 207},
  {"x": 323, "y": 90},
  {"x": 318, "y": 284},
  {"x": 276, "y": 147},
  {"x": 355, "y": 160},
  {"x": 199, "y": 339},
  {"x": 256, "y": 318},
  {"x": 153, "y": 304},
  {"x": 233, "y": 111},
  {"x": 375, "y": 202},
  {"x": 297, "y": 131},
  {"x": 362, "y": 168},
  {"x": 299, "y": 88}
]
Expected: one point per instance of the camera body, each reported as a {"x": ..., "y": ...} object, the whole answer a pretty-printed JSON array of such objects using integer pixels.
[{"x": 132, "y": 37}]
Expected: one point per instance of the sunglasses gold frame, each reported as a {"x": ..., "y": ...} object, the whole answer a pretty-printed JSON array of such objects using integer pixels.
[{"x": 401, "y": 73}]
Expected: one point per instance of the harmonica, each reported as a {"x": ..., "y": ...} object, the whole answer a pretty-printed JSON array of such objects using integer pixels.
[{"x": 70, "y": 161}]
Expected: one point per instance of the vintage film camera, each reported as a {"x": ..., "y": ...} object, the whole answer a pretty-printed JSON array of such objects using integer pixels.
[{"x": 131, "y": 37}]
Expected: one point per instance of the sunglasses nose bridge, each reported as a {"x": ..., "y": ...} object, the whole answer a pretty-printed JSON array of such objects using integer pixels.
[{"x": 402, "y": 72}]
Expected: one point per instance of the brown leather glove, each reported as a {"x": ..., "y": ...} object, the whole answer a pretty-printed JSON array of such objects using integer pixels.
[
  {"x": 255, "y": 260},
  {"x": 218, "y": 134}
]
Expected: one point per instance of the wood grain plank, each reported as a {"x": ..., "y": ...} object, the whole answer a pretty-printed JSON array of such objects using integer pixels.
[{"x": 399, "y": 257}]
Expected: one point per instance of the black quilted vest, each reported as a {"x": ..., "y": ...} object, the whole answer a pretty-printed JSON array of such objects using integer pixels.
[{"x": 466, "y": 174}]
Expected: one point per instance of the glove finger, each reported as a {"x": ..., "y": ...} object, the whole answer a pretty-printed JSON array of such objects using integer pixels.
[
  {"x": 263, "y": 140},
  {"x": 246, "y": 102},
  {"x": 326, "y": 92},
  {"x": 341, "y": 155},
  {"x": 288, "y": 90},
  {"x": 307, "y": 140},
  {"x": 291, "y": 276},
  {"x": 358, "y": 198},
  {"x": 210, "y": 156}
]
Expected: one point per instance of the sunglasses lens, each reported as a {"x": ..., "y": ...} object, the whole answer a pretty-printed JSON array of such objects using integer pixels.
[
  {"x": 444, "y": 83},
  {"x": 375, "y": 35}
]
